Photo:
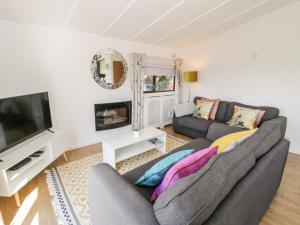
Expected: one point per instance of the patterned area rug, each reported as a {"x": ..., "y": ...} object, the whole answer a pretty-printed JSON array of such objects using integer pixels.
[{"x": 68, "y": 182}]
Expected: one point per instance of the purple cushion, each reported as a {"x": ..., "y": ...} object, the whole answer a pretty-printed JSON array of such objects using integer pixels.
[{"x": 183, "y": 168}]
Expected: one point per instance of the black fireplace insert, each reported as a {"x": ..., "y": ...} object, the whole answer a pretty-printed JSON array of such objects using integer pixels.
[{"x": 112, "y": 115}]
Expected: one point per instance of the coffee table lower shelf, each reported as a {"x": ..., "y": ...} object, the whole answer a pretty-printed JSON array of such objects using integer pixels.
[{"x": 112, "y": 155}]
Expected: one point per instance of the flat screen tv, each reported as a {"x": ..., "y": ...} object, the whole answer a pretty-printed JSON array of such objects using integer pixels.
[{"x": 23, "y": 117}]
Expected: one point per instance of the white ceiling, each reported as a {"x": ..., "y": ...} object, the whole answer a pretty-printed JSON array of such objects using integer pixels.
[{"x": 169, "y": 23}]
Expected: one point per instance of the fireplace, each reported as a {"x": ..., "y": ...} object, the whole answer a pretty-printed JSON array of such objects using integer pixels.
[{"x": 112, "y": 115}]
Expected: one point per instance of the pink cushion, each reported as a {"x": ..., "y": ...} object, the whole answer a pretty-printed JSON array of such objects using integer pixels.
[
  {"x": 183, "y": 168},
  {"x": 214, "y": 109},
  {"x": 260, "y": 115}
]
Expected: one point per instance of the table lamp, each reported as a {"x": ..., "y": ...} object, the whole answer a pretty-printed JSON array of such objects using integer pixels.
[{"x": 190, "y": 77}]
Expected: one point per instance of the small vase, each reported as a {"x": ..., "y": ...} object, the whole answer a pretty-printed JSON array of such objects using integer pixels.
[{"x": 136, "y": 133}]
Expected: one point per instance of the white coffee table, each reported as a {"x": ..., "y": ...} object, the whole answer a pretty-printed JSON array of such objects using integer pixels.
[{"x": 125, "y": 145}]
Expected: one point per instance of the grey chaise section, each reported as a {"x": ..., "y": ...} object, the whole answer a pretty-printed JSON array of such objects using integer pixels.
[
  {"x": 194, "y": 127},
  {"x": 234, "y": 188}
]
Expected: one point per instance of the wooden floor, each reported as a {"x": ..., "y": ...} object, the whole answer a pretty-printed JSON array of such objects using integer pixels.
[{"x": 36, "y": 208}]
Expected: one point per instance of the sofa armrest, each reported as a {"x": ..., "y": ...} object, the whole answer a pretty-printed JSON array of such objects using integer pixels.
[
  {"x": 282, "y": 123},
  {"x": 183, "y": 109},
  {"x": 114, "y": 201}
]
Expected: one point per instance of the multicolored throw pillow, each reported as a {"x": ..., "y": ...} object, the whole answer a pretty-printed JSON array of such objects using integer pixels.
[
  {"x": 214, "y": 109},
  {"x": 183, "y": 168},
  {"x": 203, "y": 109},
  {"x": 230, "y": 141},
  {"x": 156, "y": 173},
  {"x": 244, "y": 117}
]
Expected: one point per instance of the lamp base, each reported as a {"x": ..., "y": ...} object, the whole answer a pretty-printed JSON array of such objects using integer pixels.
[{"x": 189, "y": 99}]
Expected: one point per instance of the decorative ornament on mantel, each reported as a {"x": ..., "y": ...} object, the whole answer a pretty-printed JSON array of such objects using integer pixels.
[{"x": 136, "y": 133}]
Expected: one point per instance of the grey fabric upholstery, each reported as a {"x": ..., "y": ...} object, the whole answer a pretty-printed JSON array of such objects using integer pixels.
[
  {"x": 221, "y": 112},
  {"x": 282, "y": 122},
  {"x": 113, "y": 201},
  {"x": 133, "y": 175},
  {"x": 187, "y": 131},
  {"x": 250, "y": 198},
  {"x": 194, "y": 198},
  {"x": 266, "y": 137},
  {"x": 271, "y": 112},
  {"x": 217, "y": 130},
  {"x": 194, "y": 123}
]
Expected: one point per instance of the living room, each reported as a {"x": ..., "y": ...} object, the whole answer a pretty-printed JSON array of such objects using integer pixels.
[{"x": 185, "y": 71}]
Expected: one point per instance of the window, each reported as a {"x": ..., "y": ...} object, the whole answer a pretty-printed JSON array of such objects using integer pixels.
[{"x": 159, "y": 84}]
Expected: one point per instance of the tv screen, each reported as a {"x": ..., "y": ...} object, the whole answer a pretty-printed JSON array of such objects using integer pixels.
[{"x": 23, "y": 117}]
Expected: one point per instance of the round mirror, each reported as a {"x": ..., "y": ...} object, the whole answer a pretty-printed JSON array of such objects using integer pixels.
[{"x": 109, "y": 68}]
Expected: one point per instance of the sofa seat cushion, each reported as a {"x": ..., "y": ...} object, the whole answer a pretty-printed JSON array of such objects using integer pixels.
[
  {"x": 195, "y": 123},
  {"x": 217, "y": 130},
  {"x": 133, "y": 175}
]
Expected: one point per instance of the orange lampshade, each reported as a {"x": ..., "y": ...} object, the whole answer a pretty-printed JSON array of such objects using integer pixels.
[{"x": 190, "y": 76}]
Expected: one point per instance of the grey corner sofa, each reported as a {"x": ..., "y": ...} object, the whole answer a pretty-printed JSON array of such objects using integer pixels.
[
  {"x": 194, "y": 127},
  {"x": 234, "y": 188}
]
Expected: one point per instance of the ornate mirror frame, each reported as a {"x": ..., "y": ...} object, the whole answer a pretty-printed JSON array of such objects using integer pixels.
[{"x": 95, "y": 72}]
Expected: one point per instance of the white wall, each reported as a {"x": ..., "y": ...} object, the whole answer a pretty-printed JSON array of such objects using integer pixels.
[
  {"x": 34, "y": 59},
  {"x": 257, "y": 63}
]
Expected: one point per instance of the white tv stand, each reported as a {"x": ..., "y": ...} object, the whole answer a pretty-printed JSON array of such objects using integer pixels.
[{"x": 52, "y": 145}]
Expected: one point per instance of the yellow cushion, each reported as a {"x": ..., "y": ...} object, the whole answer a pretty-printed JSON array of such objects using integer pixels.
[{"x": 225, "y": 141}]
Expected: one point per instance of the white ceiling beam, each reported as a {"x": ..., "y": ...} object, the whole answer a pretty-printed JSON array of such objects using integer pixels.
[
  {"x": 192, "y": 21},
  {"x": 70, "y": 14},
  {"x": 118, "y": 17},
  {"x": 158, "y": 19},
  {"x": 221, "y": 22}
]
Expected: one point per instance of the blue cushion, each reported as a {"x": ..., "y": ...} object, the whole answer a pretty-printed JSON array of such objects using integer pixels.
[{"x": 156, "y": 173}]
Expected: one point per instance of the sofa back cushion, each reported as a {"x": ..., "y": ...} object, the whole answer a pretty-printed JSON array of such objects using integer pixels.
[
  {"x": 225, "y": 110},
  {"x": 267, "y": 136},
  {"x": 217, "y": 130},
  {"x": 222, "y": 110},
  {"x": 271, "y": 112},
  {"x": 194, "y": 198}
]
